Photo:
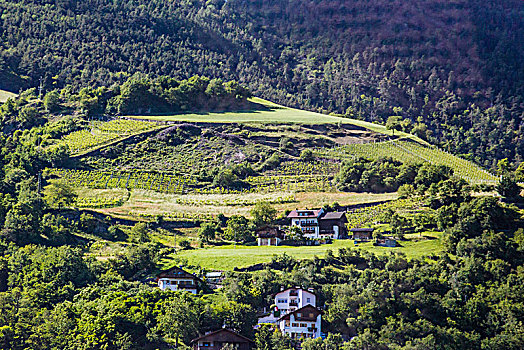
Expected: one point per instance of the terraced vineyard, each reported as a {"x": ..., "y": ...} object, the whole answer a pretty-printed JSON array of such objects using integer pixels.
[
  {"x": 411, "y": 151},
  {"x": 174, "y": 184},
  {"x": 305, "y": 168},
  {"x": 121, "y": 179},
  {"x": 101, "y": 133},
  {"x": 366, "y": 216}
]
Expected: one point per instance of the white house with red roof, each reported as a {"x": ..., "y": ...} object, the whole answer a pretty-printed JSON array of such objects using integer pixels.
[
  {"x": 307, "y": 220},
  {"x": 289, "y": 300},
  {"x": 302, "y": 323},
  {"x": 315, "y": 223}
]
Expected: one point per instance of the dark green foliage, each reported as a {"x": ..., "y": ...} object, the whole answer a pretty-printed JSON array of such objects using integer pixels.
[
  {"x": 508, "y": 187},
  {"x": 52, "y": 101},
  {"x": 472, "y": 219},
  {"x": 136, "y": 261},
  {"x": 163, "y": 95},
  {"x": 386, "y": 174},
  {"x": 139, "y": 233},
  {"x": 446, "y": 192},
  {"x": 238, "y": 229},
  {"x": 207, "y": 232},
  {"x": 306, "y": 155},
  {"x": 263, "y": 213},
  {"x": 227, "y": 178},
  {"x": 185, "y": 244},
  {"x": 59, "y": 193}
]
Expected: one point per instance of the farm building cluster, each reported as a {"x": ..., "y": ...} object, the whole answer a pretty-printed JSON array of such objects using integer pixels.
[
  {"x": 293, "y": 313},
  {"x": 316, "y": 224}
]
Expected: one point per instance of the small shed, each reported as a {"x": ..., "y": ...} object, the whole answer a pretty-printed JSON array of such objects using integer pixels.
[
  {"x": 269, "y": 235},
  {"x": 364, "y": 233}
]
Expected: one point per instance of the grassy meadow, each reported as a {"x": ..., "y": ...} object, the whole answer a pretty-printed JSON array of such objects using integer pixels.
[
  {"x": 270, "y": 113},
  {"x": 230, "y": 256},
  {"x": 5, "y": 95}
]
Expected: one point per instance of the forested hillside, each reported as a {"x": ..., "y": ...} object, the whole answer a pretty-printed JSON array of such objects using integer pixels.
[{"x": 453, "y": 71}]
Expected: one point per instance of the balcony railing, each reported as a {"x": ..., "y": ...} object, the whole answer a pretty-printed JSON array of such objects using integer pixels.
[
  {"x": 308, "y": 224},
  {"x": 293, "y": 293},
  {"x": 293, "y": 303}
]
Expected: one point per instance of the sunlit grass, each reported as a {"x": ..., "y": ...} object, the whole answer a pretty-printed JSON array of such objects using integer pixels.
[
  {"x": 5, "y": 95},
  {"x": 230, "y": 256}
]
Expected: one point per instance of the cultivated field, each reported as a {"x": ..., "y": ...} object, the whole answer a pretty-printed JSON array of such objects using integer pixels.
[
  {"x": 103, "y": 133},
  {"x": 406, "y": 150},
  {"x": 148, "y": 204}
]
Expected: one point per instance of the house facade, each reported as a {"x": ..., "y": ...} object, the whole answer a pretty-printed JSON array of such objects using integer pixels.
[
  {"x": 177, "y": 279},
  {"x": 317, "y": 224},
  {"x": 218, "y": 339},
  {"x": 304, "y": 323},
  {"x": 307, "y": 221},
  {"x": 289, "y": 300},
  {"x": 292, "y": 299},
  {"x": 269, "y": 235}
]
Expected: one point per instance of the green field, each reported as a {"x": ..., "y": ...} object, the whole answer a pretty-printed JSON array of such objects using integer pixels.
[
  {"x": 5, "y": 95},
  {"x": 269, "y": 112},
  {"x": 231, "y": 256}
]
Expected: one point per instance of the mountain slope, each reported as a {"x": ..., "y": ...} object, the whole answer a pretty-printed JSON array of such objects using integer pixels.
[{"x": 456, "y": 65}]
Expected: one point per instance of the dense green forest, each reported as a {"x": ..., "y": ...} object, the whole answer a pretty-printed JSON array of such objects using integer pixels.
[{"x": 453, "y": 70}]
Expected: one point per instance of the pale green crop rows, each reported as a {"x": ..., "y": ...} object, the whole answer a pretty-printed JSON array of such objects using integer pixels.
[
  {"x": 410, "y": 151},
  {"x": 101, "y": 133}
]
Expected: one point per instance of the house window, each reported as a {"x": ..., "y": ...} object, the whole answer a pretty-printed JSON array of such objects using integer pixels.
[
  {"x": 294, "y": 325},
  {"x": 299, "y": 314},
  {"x": 311, "y": 315},
  {"x": 303, "y": 325},
  {"x": 308, "y": 300},
  {"x": 206, "y": 344}
]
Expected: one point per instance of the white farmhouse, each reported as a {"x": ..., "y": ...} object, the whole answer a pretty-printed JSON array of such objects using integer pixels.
[
  {"x": 307, "y": 220},
  {"x": 301, "y": 323},
  {"x": 291, "y": 299}
]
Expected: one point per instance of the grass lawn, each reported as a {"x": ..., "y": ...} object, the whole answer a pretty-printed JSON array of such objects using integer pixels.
[
  {"x": 4, "y": 95},
  {"x": 275, "y": 114},
  {"x": 230, "y": 256}
]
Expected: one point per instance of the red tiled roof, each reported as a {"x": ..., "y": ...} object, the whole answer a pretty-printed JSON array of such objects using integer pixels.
[
  {"x": 302, "y": 309},
  {"x": 310, "y": 213},
  {"x": 223, "y": 330}
]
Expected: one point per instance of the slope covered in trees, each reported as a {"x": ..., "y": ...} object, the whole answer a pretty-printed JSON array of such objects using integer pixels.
[{"x": 454, "y": 70}]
